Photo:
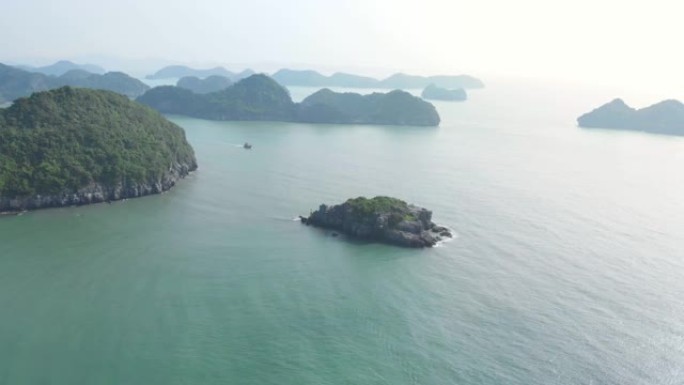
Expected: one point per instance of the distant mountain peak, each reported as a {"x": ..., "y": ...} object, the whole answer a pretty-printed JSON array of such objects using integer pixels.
[
  {"x": 61, "y": 67},
  {"x": 311, "y": 78}
]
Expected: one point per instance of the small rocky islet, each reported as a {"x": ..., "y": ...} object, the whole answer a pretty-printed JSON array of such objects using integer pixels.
[{"x": 381, "y": 219}]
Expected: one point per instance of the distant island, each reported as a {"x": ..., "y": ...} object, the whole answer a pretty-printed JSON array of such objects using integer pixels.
[
  {"x": 393, "y": 108},
  {"x": 380, "y": 219},
  {"x": 341, "y": 79},
  {"x": 309, "y": 78},
  {"x": 666, "y": 117},
  {"x": 180, "y": 71},
  {"x": 16, "y": 83},
  {"x": 446, "y": 81},
  {"x": 213, "y": 83},
  {"x": 73, "y": 146},
  {"x": 432, "y": 92},
  {"x": 259, "y": 97},
  {"x": 117, "y": 82},
  {"x": 63, "y": 66}
]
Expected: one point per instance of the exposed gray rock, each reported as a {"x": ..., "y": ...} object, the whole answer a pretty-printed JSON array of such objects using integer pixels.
[{"x": 96, "y": 193}]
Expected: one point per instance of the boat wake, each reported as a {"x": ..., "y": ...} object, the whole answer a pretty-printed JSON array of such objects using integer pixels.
[{"x": 285, "y": 219}]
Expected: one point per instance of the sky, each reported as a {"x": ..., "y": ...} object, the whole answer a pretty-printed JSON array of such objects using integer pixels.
[{"x": 580, "y": 40}]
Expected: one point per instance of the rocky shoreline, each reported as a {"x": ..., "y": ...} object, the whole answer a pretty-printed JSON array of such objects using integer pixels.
[
  {"x": 96, "y": 193},
  {"x": 380, "y": 219}
]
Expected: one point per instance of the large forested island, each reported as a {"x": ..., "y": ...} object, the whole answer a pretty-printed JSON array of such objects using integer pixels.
[
  {"x": 16, "y": 83},
  {"x": 380, "y": 219},
  {"x": 255, "y": 98},
  {"x": 666, "y": 117},
  {"x": 73, "y": 146},
  {"x": 259, "y": 97}
]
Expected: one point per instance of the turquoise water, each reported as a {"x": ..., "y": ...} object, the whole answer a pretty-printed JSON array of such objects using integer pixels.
[{"x": 567, "y": 266}]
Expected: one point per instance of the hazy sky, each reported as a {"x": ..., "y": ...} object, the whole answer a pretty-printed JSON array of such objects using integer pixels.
[{"x": 580, "y": 39}]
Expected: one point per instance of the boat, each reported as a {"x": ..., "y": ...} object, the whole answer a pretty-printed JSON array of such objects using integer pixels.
[{"x": 247, "y": 146}]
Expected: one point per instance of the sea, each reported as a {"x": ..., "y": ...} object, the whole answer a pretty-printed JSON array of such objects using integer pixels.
[{"x": 567, "y": 264}]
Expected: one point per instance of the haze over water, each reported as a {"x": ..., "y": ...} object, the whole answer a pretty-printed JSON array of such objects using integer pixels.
[{"x": 566, "y": 268}]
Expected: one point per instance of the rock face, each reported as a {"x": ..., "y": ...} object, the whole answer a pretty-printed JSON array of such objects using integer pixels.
[
  {"x": 77, "y": 146},
  {"x": 96, "y": 192},
  {"x": 432, "y": 92},
  {"x": 666, "y": 117},
  {"x": 380, "y": 219}
]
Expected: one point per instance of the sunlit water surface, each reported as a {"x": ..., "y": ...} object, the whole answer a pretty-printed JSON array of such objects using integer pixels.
[{"x": 567, "y": 267}]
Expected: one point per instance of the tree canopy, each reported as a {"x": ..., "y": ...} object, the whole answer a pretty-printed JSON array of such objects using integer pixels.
[{"x": 65, "y": 139}]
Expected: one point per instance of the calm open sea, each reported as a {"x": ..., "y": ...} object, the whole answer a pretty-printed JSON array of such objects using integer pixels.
[{"x": 567, "y": 268}]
